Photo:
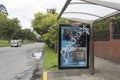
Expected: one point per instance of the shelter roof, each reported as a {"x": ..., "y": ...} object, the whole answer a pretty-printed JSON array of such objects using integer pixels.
[{"x": 88, "y": 11}]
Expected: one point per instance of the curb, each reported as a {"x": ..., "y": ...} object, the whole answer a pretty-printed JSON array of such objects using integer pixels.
[{"x": 44, "y": 75}]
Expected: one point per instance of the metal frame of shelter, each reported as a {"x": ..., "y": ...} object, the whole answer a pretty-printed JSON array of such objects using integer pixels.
[{"x": 94, "y": 10}]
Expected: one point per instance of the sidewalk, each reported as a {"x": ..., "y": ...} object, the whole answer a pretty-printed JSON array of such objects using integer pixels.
[{"x": 104, "y": 70}]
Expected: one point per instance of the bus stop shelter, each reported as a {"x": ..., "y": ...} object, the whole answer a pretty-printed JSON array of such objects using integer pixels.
[{"x": 89, "y": 11}]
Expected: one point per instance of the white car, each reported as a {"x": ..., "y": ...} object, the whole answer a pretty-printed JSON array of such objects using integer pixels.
[{"x": 15, "y": 43}]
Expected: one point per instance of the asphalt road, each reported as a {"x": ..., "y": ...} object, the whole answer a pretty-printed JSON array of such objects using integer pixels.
[{"x": 16, "y": 60}]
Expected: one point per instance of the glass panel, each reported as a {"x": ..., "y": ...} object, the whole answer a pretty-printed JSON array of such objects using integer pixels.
[
  {"x": 76, "y": 1},
  {"x": 84, "y": 11},
  {"x": 89, "y": 8},
  {"x": 114, "y": 1},
  {"x": 79, "y": 16}
]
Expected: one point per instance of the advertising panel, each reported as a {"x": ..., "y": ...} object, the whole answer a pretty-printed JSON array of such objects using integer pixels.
[{"x": 73, "y": 46}]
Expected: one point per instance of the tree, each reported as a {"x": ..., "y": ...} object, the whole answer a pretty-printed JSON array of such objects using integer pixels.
[
  {"x": 3, "y": 19},
  {"x": 18, "y": 34},
  {"x": 25, "y": 34},
  {"x": 42, "y": 22},
  {"x": 47, "y": 26},
  {"x": 3, "y": 9},
  {"x": 9, "y": 27}
]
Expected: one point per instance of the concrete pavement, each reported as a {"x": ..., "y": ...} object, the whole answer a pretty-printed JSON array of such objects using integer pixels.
[{"x": 104, "y": 70}]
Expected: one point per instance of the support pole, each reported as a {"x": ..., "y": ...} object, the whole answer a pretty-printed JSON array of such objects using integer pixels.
[{"x": 91, "y": 49}]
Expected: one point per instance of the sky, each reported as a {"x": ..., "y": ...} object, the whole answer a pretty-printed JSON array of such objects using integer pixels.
[{"x": 24, "y": 10}]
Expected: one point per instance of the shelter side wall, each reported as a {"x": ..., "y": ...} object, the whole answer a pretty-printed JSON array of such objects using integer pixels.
[
  {"x": 115, "y": 53},
  {"x": 108, "y": 49},
  {"x": 101, "y": 49}
]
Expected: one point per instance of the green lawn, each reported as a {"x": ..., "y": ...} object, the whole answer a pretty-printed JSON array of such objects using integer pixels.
[
  {"x": 26, "y": 42},
  {"x": 3, "y": 43},
  {"x": 50, "y": 59}
]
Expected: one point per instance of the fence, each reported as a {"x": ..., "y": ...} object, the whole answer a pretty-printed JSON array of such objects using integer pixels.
[
  {"x": 101, "y": 32},
  {"x": 101, "y": 36},
  {"x": 107, "y": 42},
  {"x": 116, "y": 28}
]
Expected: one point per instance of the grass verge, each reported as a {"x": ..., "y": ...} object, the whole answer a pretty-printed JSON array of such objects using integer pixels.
[
  {"x": 50, "y": 59},
  {"x": 26, "y": 42},
  {"x": 4, "y": 43}
]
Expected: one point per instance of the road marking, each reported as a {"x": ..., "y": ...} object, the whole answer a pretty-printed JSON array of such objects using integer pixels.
[{"x": 44, "y": 75}]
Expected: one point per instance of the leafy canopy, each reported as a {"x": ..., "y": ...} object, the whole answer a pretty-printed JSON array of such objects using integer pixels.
[{"x": 46, "y": 25}]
